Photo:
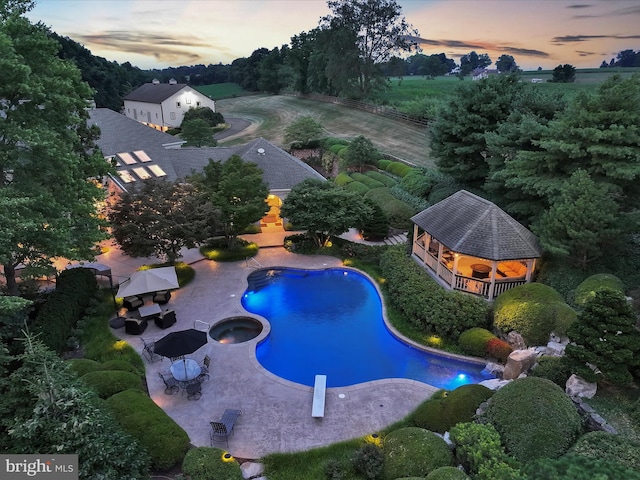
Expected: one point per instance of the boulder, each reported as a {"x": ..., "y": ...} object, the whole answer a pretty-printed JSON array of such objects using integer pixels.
[
  {"x": 251, "y": 470},
  {"x": 494, "y": 369},
  {"x": 555, "y": 349},
  {"x": 579, "y": 388},
  {"x": 516, "y": 340},
  {"x": 519, "y": 362},
  {"x": 494, "y": 383}
]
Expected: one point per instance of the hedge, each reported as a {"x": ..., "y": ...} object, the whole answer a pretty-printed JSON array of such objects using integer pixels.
[
  {"x": 398, "y": 168},
  {"x": 414, "y": 452},
  {"x": 535, "y": 419},
  {"x": 441, "y": 191},
  {"x": 367, "y": 180},
  {"x": 577, "y": 467},
  {"x": 475, "y": 341},
  {"x": 416, "y": 203},
  {"x": 590, "y": 285},
  {"x": 75, "y": 289},
  {"x": 358, "y": 187},
  {"x": 109, "y": 382},
  {"x": 381, "y": 177},
  {"x": 428, "y": 306},
  {"x": 383, "y": 163},
  {"x": 205, "y": 463},
  {"x": 447, "y": 473},
  {"x": 342, "y": 179},
  {"x": 82, "y": 366},
  {"x": 398, "y": 212},
  {"x": 331, "y": 141},
  {"x": 534, "y": 310},
  {"x": 165, "y": 441}
]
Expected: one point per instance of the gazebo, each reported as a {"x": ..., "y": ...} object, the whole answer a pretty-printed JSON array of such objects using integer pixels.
[{"x": 468, "y": 243}]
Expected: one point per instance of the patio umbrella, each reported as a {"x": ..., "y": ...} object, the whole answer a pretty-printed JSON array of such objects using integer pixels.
[
  {"x": 178, "y": 344},
  {"x": 147, "y": 281}
]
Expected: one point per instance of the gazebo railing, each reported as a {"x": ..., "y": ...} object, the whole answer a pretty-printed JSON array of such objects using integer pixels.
[{"x": 504, "y": 285}]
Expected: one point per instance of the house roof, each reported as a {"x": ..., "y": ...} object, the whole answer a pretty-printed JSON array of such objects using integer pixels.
[
  {"x": 120, "y": 134},
  {"x": 469, "y": 224},
  {"x": 154, "y": 92}
]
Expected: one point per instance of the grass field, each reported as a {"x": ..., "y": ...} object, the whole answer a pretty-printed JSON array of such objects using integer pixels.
[{"x": 222, "y": 90}]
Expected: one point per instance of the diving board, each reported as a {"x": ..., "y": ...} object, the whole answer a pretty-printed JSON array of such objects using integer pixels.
[{"x": 319, "y": 390}]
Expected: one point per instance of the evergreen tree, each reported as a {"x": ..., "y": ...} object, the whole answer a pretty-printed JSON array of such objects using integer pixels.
[{"x": 605, "y": 343}]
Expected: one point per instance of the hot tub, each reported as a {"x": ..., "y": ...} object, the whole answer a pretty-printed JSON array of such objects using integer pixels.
[{"x": 236, "y": 330}]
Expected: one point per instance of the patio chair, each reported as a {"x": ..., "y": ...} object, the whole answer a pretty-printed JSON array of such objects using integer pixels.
[
  {"x": 132, "y": 303},
  {"x": 194, "y": 391},
  {"x": 204, "y": 369},
  {"x": 147, "y": 351},
  {"x": 166, "y": 319},
  {"x": 222, "y": 429},
  {"x": 162, "y": 297},
  {"x": 171, "y": 384},
  {"x": 135, "y": 326}
]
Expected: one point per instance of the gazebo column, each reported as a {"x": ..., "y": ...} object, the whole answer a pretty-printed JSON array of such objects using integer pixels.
[
  {"x": 494, "y": 267},
  {"x": 530, "y": 267},
  {"x": 456, "y": 257}
]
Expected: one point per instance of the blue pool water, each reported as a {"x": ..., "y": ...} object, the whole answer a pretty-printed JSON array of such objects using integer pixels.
[{"x": 330, "y": 322}]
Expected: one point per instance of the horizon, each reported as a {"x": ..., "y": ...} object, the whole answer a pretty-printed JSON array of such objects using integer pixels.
[{"x": 159, "y": 34}]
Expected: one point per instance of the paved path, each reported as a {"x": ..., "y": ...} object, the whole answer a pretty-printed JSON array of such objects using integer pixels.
[
  {"x": 277, "y": 413},
  {"x": 236, "y": 125}
]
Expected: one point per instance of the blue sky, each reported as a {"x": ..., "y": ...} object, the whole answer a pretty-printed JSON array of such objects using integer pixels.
[{"x": 162, "y": 33}]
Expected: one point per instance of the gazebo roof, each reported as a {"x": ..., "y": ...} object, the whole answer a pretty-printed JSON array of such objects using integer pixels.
[{"x": 469, "y": 224}]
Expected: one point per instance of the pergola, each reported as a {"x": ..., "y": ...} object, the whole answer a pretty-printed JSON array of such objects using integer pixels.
[{"x": 468, "y": 243}]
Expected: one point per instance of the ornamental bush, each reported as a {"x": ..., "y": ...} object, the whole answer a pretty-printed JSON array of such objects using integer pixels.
[
  {"x": 607, "y": 446},
  {"x": 535, "y": 419},
  {"x": 430, "y": 416},
  {"x": 383, "y": 163},
  {"x": 428, "y": 306},
  {"x": 416, "y": 203},
  {"x": 479, "y": 450},
  {"x": 499, "y": 349},
  {"x": 414, "y": 452},
  {"x": 342, "y": 179},
  {"x": 398, "y": 212},
  {"x": 205, "y": 463},
  {"x": 165, "y": 441},
  {"x": 382, "y": 178},
  {"x": 357, "y": 187},
  {"x": 369, "y": 461},
  {"x": 590, "y": 285},
  {"x": 534, "y": 310},
  {"x": 81, "y": 366},
  {"x": 441, "y": 191},
  {"x": 555, "y": 369},
  {"x": 475, "y": 341},
  {"x": 121, "y": 365},
  {"x": 447, "y": 473},
  {"x": 109, "y": 382},
  {"x": 398, "y": 168},
  {"x": 367, "y": 180},
  {"x": 577, "y": 467}
]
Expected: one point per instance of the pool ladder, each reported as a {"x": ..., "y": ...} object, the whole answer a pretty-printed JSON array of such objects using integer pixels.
[{"x": 247, "y": 265}]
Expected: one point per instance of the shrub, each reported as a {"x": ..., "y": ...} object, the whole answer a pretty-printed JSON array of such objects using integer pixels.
[
  {"x": 107, "y": 383},
  {"x": 413, "y": 451},
  {"x": 577, "y": 467},
  {"x": 331, "y": 141},
  {"x": 337, "y": 148},
  {"x": 367, "y": 180},
  {"x": 418, "y": 204},
  {"x": 440, "y": 413},
  {"x": 334, "y": 470},
  {"x": 499, "y": 349},
  {"x": 535, "y": 418},
  {"x": 358, "y": 187},
  {"x": 398, "y": 168},
  {"x": 447, "y": 473},
  {"x": 534, "y": 310},
  {"x": 475, "y": 341},
  {"x": 607, "y": 446},
  {"x": 441, "y": 191},
  {"x": 121, "y": 365},
  {"x": 138, "y": 415},
  {"x": 555, "y": 369},
  {"x": 589, "y": 286},
  {"x": 369, "y": 461},
  {"x": 220, "y": 252},
  {"x": 382, "y": 178},
  {"x": 398, "y": 212},
  {"x": 429, "y": 307},
  {"x": 376, "y": 226},
  {"x": 479, "y": 450},
  {"x": 205, "y": 463},
  {"x": 82, "y": 366},
  {"x": 342, "y": 179},
  {"x": 383, "y": 164}
]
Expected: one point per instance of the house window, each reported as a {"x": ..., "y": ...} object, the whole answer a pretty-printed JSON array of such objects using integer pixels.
[
  {"x": 177, "y": 104},
  {"x": 187, "y": 100},
  {"x": 197, "y": 104},
  {"x": 172, "y": 115}
]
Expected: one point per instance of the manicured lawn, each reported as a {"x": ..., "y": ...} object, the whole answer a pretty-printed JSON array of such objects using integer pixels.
[{"x": 222, "y": 90}]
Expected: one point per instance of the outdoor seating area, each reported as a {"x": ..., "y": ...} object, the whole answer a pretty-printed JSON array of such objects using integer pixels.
[{"x": 221, "y": 429}]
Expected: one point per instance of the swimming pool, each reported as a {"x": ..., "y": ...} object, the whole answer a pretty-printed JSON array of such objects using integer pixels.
[{"x": 330, "y": 322}]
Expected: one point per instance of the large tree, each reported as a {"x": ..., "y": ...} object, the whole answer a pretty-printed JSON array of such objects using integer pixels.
[
  {"x": 360, "y": 152},
  {"x": 379, "y": 31},
  {"x": 302, "y": 131},
  {"x": 506, "y": 63},
  {"x": 50, "y": 169},
  {"x": 160, "y": 218},
  {"x": 470, "y": 61},
  {"x": 458, "y": 135},
  {"x": 324, "y": 210},
  {"x": 198, "y": 133},
  {"x": 236, "y": 191},
  {"x": 564, "y": 74}
]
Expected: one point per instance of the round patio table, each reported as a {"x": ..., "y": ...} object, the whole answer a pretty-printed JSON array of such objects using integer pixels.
[
  {"x": 480, "y": 270},
  {"x": 185, "y": 370}
]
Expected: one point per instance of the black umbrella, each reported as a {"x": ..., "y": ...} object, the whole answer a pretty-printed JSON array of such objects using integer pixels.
[{"x": 177, "y": 344}]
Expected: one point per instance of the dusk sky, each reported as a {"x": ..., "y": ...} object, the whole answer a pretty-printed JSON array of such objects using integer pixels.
[{"x": 162, "y": 33}]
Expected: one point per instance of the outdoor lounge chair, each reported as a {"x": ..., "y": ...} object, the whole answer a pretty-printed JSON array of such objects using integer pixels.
[
  {"x": 162, "y": 297},
  {"x": 135, "y": 326},
  {"x": 222, "y": 429},
  {"x": 166, "y": 319},
  {"x": 147, "y": 351},
  {"x": 132, "y": 303},
  {"x": 171, "y": 384}
]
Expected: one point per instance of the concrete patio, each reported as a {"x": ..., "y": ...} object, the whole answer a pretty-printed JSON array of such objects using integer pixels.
[{"x": 276, "y": 412}]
